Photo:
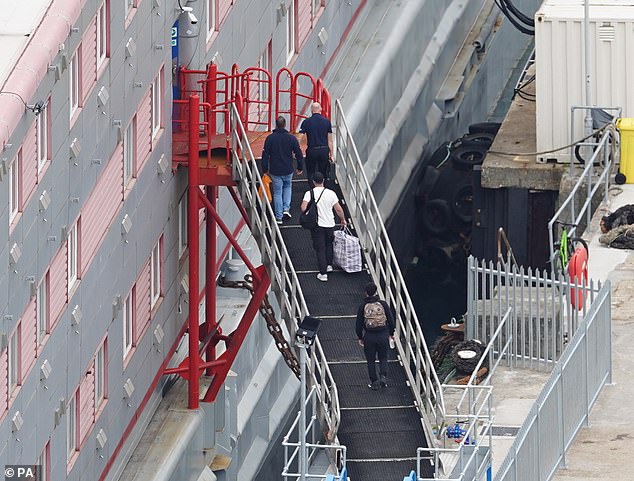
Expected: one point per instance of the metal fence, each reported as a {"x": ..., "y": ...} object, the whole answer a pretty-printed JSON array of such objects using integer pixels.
[
  {"x": 386, "y": 273},
  {"x": 563, "y": 405},
  {"x": 544, "y": 318}
]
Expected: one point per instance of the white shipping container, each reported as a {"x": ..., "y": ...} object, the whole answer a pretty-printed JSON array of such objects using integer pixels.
[{"x": 559, "y": 64}]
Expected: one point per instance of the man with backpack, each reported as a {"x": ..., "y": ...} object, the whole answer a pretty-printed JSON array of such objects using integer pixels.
[
  {"x": 375, "y": 326},
  {"x": 323, "y": 234}
]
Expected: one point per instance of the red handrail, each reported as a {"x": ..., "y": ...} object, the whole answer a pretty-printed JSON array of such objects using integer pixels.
[
  {"x": 290, "y": 91},
  {"x": 308, "y": 98},
  {"x": 258, "y": 77}
]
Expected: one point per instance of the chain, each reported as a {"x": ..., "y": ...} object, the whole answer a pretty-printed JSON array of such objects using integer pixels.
[{"x": 271, "y": 322}]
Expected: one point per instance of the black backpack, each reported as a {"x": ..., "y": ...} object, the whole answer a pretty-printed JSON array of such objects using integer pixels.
[{"x": 308, "y": 218}]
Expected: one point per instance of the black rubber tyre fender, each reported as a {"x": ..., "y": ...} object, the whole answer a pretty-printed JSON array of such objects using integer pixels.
[
  {"x": 485, "y": 127},
  {"x": 620, "y": 178},
  {"x": 483, "y": 139},
  {"x": 436, "y": 216},
  {"x": 436, "y": 261},
  {"x": 439, "y": 155},
  {"x": 462, "y": 203},
  {"x": 428, "y": 181},
  {"x": 465, "y": 157}
]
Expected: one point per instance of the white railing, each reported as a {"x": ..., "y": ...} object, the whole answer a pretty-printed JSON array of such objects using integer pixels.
[
  {"x": 284, "y": 282},
  {"x": 386, "y": 273}
]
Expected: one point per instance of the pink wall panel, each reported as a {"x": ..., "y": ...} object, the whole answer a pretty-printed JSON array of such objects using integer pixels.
[
  {"x": 29, "y": 339},
  {"x": 58, "y": 285},
  {"x": 87, "y": 403},
  {"x": 4, "y": 374},
  {"x": 143, "y": 300},
  {"x": 143, "y": 131},
  {"x": 89, "y": 59},
  {"x": 101, "y": 207},
  {"x": 223, "y": 9},
  {"x": 29, "y": 163},
  {"x": 304, "y": 19}
]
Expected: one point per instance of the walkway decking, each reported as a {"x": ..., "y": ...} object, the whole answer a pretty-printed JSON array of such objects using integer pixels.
[{"x": 381, "y": 429}]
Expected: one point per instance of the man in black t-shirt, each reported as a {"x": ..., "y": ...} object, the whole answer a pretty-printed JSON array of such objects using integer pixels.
[{"x": 317, "y": 130}]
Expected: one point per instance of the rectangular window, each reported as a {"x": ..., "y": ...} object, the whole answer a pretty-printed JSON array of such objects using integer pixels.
[
  {"x": 210, "y": 5},
  {"x": 72, "y": 256},
  {"x": 128, "y": 323},
  {"x": 72, "y": 425},
  {"x": 13, "y": 357},
  {"x": 317, "y": 4},
  {"x": 291, "y": 21},
  {"x": 74, "y": 75},
  {"x": 264, "y": 62},
  {"x": 44, "y": 462},
  {"x": 129, "y": 152},
  {"x": 100, "y": 375},
  {"x": 41, "y": 305},
  {"x": 156, "y": 95},
  {"x": 102, "y": 32},
  {"x": 155, "y": 274},
  {"x": 42, "y": 127},
  {"x": 15, "y": 186},
  {"x": 129, "y": 5},
  {"x": 182, "y": 225}
]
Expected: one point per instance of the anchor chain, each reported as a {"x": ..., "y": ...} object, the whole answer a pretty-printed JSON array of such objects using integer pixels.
[{"x": 272, "y": 325}]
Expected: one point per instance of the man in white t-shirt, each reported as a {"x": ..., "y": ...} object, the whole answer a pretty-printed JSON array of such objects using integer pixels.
[{"x": 323, "y": 234}]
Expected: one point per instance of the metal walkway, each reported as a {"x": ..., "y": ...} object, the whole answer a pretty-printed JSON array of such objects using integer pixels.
[{"x": 381, "y": 429}]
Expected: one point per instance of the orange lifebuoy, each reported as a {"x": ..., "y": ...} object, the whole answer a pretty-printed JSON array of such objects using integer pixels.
[{"x": 578, "y": 271}]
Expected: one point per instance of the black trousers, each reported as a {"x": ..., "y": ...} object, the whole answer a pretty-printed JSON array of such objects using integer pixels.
[
  {"x": 376, "y": 344},
  {"x": 317, "y": 160},
  {"x": 322, "y": 243}
]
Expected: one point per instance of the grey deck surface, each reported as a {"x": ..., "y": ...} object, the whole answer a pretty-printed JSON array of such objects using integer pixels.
[{"x": 381, "y": 429}]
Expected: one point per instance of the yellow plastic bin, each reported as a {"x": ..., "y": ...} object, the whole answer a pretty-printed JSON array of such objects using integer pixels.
[{"x": 626, "y": 128}]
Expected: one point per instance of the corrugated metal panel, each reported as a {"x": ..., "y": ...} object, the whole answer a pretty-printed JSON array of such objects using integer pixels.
[
  {"x": 304, "y": 20},
  {"x": 4, "y": 375},
  {"x": 29, "y": 338},
  {"x": 58, "y": 285},
  {"x": 143, "y": 300},
  {"x": 101, "y": 207},
  {"x": 89, "y": 58},
  {"x": 29, "y": 164},
  {"x": 143, "y": 131},
  {"x": 87, "y": 403}
]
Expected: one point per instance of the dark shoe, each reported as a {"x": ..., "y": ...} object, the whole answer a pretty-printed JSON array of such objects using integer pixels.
[
  {"x": 374, "y": 385},
  {"x": 383, "y": 381},
  {"x": 279, "y": 221},
  {"x": 287, "y": 215}
]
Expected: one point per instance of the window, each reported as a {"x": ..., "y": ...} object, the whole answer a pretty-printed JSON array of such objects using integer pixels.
[
  {"x": 72, "y": 414},
  {"x": 317, "y": 4},
  {"x": 290, "y": 31},
  {"x": 102, "y": 32},
  {"x": 15, "y": 186},
  {"x": 264, "y": 62},
  {"x": 72, "y": 256},
  {"x": 155, "y": 274},
  {"x": 128, "y": 323},
  {"x": 41, "y": 305},
  {"x": 157, "y": 103},
  {"x": 74, "y": 76},
  {"x": 182, "y": 225},
  {"x": 210, "y": 5},
  {"x": 44, "y": 461},
  {"x": 129, "y": 152},
  {"x": 129, "y": 5},
  {"x": 13, "y": 357},
  {"x": 100, "y": 376},
  {"x": 42, "y": 127}
]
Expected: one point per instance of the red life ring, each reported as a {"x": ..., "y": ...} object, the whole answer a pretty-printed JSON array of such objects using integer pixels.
[{"x": 578, "y": 271}]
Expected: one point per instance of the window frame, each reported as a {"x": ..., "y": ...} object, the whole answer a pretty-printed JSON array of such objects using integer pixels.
[
  {"x": 101, "y": 375},
  {"x": 42, "y": 128},
  {"x": 42, "y": 303},
  {"x": 155, "y": 273},
  {"x": 129, "y": 153},
  {"x": 72, "y": 426},
  {"x": 103, "y": 33},
  {"x": 44, "y": 461},
  {"x": 15, "y": 186},
  {"x": 156, "y": 103},
  {"x": 129, "y": 322},
  {"x": 74, "y": 74},
  {"x": 183, "y": 234},
  {"x": 129, "y": 5},
  {"x": 212, "y": 18},
  {"x": 14, "y": 360},
  {"x": 291, "y": 31},
  {"x": 72, "y": 256}
]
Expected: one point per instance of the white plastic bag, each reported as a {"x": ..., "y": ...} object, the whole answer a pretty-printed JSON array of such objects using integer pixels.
[{"x": 347, "y": 251}]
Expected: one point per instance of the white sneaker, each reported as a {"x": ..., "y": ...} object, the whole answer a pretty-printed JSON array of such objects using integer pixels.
[
  {"x": 329, "y": 269},
  {"x": 287, "y": 215},
  {"x": 322, "y": 277}
]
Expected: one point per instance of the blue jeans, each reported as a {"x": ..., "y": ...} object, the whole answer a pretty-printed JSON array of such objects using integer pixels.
[{"x": 281, "y": 194}]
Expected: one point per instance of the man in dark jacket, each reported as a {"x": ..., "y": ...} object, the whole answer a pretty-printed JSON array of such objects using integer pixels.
[
  {"x": 318, "y": 137},
  {"x": 277, "y": 160},
  {"x": 375, "y": 325}
]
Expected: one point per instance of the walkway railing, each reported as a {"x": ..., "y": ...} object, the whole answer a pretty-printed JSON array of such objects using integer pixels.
[
  {"x": 564, "y": 404},
  {"x": 386, "y": 273},
  {"x": 284, "y": 280}
]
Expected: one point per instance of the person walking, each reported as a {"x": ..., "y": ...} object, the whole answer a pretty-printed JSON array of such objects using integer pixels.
[
  {"x": 317, "y": 131},
  {"x": 277, "y": 159},
  {"x": 374, "y": 327},
  {"x": 323, "y": 235}
]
